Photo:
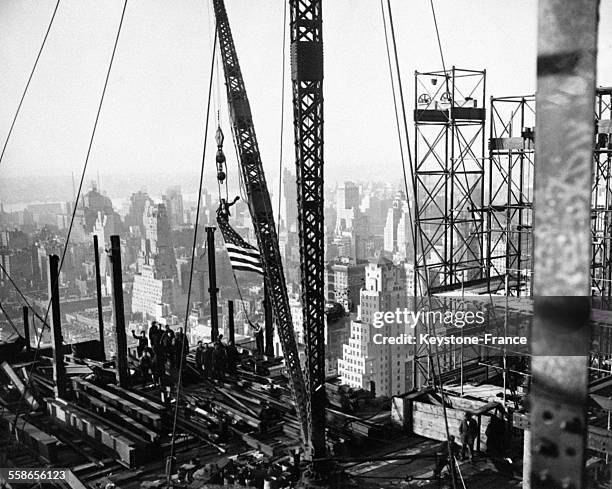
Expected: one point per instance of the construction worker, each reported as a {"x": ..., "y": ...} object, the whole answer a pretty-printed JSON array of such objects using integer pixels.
[
  {"x": 167, "y": 340},
  {"x": 143, "y": 342},
  {"x": 442, "y": 458},
  {"x": 231, "y": 353},
  {"x": 223, "y": 211},
  {"x": 146, "y": 366},
  {"x": 199, "y": 357},
  {"x": 468, "y": 430},
  {"x": 218, "y": 361},
  {"x": 207, "y": 357},
  {"x": 181, "y": 348},
  {"x": 155, "y": 337}
]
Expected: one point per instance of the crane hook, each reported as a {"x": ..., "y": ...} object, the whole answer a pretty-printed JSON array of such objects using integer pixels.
[{"x": 220, "y": 155}]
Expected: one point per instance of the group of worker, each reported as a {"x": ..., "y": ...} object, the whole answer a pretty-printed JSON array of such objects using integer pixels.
[
  {"x": 162, "y": 348},
  {"x": 449, "y": 450},
  {"x": 218, "y": 360}
]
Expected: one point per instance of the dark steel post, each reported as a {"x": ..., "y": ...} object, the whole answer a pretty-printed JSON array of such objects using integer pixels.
[
  {"x": 99, "y": 295},
  {"x": 230, "y": 322},
  {"x": 269, "y": 331},
  {"x": 26, "y": 325},
  {"x": 212, "y": 283},
  {"x": 59, "y": 369},
  {"x": 119, "y": 315},
  {"x": 567, "y": 59}
]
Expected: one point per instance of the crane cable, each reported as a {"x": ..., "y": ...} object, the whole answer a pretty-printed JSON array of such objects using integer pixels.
[
  {"x": 412, "y": 169},
  {"x": 27, "y": 86},
  {"x": 282, "y": 118},
  {"x": 193, "y": 249},
  {"x": 91, "y": 140},
  {"x": 10, "y": 321},
  {"x": 433, "y": 12}
]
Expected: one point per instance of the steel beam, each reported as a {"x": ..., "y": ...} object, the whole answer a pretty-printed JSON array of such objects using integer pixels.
[
  {"x": 26, "y": 326},
  {"x": 123, "y": 378},
  {"x": 567, "y": 55},
  {"x": 260, "y": 206},
  {"x": 212, "y": 283},
  {"x": 59, "y": 369},
  {"x": 231, "y": 330},
  {"x": 307, "y": 75},
  {"x": 269, "y": 324},
  {"x": 99, "y": 296}
]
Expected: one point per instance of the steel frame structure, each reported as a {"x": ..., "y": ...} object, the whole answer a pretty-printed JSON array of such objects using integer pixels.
[
  {"x": 509, "y": 195},
  {"x": 601, "y": 198},
  {"x": 449, "y": 120},
  {"x": 260, "y": 207},
  {"x": 307, "y": 79}
]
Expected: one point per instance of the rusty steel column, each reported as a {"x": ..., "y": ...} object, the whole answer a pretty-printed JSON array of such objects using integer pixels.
[
  {"x": 212, "y": 283},
  {"x": 231, "y": 330},
  {"x": 26, "y": 326},
  {"x": 269, "y": 322},
  {"x": 59, "y": 369},
  {"x": 123, "y": 378},
  {"x": 99, "y": 296},
  {"x": 567, "y": 55}
]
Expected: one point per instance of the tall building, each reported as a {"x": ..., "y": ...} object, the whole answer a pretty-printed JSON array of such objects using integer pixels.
[
  {"x": 384, "y": 368},
  {"x": 135, "y": 214},
  {"x": 288, "y": 210},
  {"x": 174, "y": 206},
  {"x": 349, "y": 279},
  {"x": 347, "y": 206},
  {"x": 398, "y": 230},
  {"x": 156, "y": 283}
]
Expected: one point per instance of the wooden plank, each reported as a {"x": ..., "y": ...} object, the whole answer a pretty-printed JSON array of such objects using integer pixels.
[{"x": 124, "y": 405}]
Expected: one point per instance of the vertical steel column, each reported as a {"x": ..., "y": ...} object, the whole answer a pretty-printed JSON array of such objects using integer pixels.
[
  {"x": 26, "y": 326},
  {"x": 260, "y": 207},
  {"x": 269, "y": 322},
  {"x": 212, "y": 283},
  {"x": 59, "y": 369},
  {"x": 307, "y": 76},
  {"x": 567, "y": 55},
  {"x": 118, "y": 311},
  {"x": 99, "y": 296},
  {"x": 230, "y": 322}
]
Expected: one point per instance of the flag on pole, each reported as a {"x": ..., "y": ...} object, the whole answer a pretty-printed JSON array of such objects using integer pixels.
[{"x": 242, "y": 255}]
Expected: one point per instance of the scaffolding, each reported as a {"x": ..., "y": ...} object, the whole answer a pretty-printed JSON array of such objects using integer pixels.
[
  {"x": 601, "y": 198},
  {"x": 449, "y": 120},
  {"x": 509, "y": 201}
]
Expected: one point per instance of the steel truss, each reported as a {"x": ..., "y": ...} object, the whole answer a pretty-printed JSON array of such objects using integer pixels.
[
  {"x": 601, "y": 199},
  {"x": 307, "y": 76},
  {"x": 449, "y": 174},
  {"x": 509, "y": 195}
]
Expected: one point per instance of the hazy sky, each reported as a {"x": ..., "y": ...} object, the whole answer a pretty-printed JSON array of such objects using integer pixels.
[{"x": 153, "y": 116}]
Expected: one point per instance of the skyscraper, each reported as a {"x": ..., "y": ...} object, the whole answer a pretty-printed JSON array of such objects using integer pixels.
[{"x": 174, "y": 206}]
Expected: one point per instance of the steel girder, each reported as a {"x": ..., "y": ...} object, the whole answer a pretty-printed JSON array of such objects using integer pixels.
[
  {"x": 307, "y": 78},
  {"x": 260, "y": 208}
]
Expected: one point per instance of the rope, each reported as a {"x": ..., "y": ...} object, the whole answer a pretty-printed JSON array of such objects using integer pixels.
[
  {"x": 21, "y": 294},
  {"x": 91, "y": 140},
  {"x": 10, "y": 321},
  {"x": 25, "y": 90},
  {"x": 193, "y": 248},
  {"x": 418, "y": 286},
  {"x": 433, "y": 11},
  {"x": 282, "y": 119}
]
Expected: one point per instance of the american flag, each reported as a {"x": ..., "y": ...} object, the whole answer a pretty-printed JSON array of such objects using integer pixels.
[{"x": 242, "y": 255}]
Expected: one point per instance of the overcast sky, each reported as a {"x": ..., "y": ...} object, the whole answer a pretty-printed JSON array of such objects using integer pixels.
[{"x": 153, "y": 115}]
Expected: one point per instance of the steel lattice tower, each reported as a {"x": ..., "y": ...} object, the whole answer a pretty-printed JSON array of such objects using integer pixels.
[
  {"x": 448, "y": 179},
  {"x": 509, "y": 195},
  {"x": 601, "y": 203},
  {"x": 307, "y": 76}
]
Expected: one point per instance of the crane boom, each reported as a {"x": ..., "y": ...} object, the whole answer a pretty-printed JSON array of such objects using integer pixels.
[
  {"x": 307, "y": 77},
  {"x": 260, "y": 207}
]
